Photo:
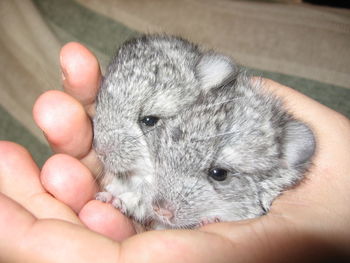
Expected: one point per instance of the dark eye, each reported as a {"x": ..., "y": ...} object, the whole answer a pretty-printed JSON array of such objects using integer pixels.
[
  {"x": 218, "y": 174},
  {"x": 149, "y": 120}
]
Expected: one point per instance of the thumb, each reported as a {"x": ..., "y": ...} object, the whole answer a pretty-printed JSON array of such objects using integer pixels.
[
  {"x": 277, "y": 239},
  {"x": 28, "y": 239}
]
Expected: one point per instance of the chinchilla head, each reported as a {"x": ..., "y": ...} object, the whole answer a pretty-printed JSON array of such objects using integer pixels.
[
  {"x": 151, "y": 78},
  {"x": 227, "y": 156}
]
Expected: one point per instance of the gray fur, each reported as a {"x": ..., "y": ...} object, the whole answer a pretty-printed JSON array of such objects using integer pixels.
[{"x": 211, "y": 116}]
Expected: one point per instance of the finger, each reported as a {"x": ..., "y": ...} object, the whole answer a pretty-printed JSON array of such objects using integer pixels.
[
  {"x": 72, "y": 183},
  {"x": 105, "y": 219},
  {"x": 18, "y": 172},
  {"x": 299, "y": 104},
  {"x": 26, "y": 239},
  {"x": 179, "y": 246},
  {"x": 19, "y": 177},
  {"x": 68, "y": 181},
  {"x": 81, "y": 73},
  {"x": 64, "y": 122},
  {"x": 17, "y": 220}
]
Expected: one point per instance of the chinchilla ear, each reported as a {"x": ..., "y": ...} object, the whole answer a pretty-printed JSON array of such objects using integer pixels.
[
  {"x": 299, "y": 144},
  {"x": 215, "y": 69}
]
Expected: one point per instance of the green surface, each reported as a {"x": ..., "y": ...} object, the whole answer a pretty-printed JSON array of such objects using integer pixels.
[
  {"x": 12, "y": 130},
  {"x": 90, "y": 28}
]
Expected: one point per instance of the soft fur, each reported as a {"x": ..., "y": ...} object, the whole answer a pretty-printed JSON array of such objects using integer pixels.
[{"x": 211, "y": 116}]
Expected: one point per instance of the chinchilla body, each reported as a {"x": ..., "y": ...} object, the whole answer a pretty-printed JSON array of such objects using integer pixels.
[{"x": 186, "y": 138}]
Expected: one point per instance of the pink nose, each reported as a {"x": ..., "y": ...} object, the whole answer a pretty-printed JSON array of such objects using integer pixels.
[{"x": 163, "y": 212}]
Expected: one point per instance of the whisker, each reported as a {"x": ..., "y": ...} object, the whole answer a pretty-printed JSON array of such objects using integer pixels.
[
  {"x": 213, "y": 104},
  {"x": 191, "y": 188},
  {"x": 183, "y": 198},
  {"x": 215, "y": 136},
  {"x": 223, "y": 102}
]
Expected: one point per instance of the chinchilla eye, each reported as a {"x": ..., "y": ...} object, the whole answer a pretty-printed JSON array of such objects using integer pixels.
[
  {"x": 218, "y": 174},
  {"x": 149, "y": 120}
]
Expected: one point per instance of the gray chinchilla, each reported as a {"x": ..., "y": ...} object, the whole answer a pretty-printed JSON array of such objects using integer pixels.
[{"x": 186, "y": 138}]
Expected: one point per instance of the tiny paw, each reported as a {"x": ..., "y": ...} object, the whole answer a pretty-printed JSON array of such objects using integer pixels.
[
  {"x": 209, "y": 221},
  {"x": 107, "y": 197},
  {"x": 119, "y": 204},
  {"x": 104, "y": 197}
]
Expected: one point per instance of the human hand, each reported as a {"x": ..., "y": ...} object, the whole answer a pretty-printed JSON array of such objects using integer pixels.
[{"x": 307, "y": 221}]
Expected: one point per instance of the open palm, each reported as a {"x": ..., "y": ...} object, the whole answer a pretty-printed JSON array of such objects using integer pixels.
[{"x": 49, "y": 215}]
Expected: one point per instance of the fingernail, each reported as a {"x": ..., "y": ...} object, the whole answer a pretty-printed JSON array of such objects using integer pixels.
[
  {"x": 63, "y": 76},
  {"x": 63, "y": 72},
  {"x": 45, "y": 135}
]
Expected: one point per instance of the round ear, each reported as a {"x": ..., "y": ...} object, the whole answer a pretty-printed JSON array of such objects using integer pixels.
[
  {"x": 215, "y": 69},
  {"x": 298, "y": 145}
]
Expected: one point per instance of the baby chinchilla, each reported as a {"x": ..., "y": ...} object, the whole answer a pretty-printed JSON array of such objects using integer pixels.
[
  {"x": 150, "y": 79},
  {"x": 187, "y": 139}
]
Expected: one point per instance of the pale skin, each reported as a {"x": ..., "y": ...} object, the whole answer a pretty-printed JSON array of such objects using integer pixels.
[{"x": 49, "y": 215}]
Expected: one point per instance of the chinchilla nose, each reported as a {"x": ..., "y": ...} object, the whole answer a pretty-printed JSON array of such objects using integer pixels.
[{"x": 163, "y": 209}]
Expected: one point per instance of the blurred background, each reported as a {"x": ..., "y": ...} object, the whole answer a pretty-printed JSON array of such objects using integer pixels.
[{"x": 303, "y": 45}]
